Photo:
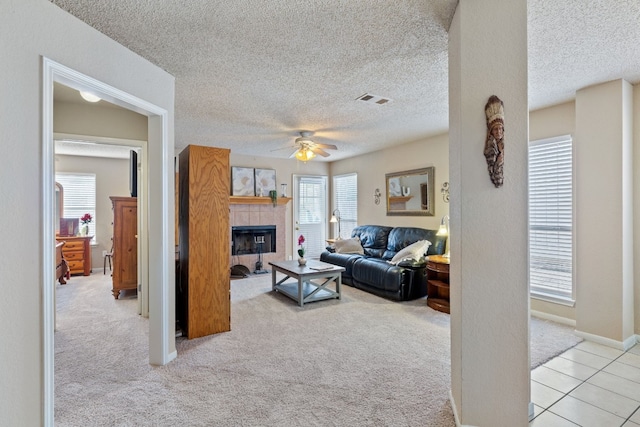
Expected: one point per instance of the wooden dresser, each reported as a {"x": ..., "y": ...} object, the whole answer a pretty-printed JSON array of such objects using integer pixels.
[
  {"x": 204, "y": 241},
  {"x": 77, "y": 252},
  {"x": 125, "y": 244}
]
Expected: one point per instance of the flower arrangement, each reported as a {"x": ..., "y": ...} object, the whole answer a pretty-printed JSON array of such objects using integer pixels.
[
  {"x": 86, "y": 219},
  {"x": 300, "y": 242}
]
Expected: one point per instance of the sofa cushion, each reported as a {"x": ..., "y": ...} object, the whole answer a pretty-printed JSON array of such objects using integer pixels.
[
  {"x": 373, "y": 239},
  {"x": 414, "y": 252},
  {"x": 377, "y": 273},
  {"x": 348, "y": 246},
  {"x": 401, "y": 237}
]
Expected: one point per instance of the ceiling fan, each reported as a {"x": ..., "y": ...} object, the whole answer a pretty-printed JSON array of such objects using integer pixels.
[{"x": 307, "y": 149}]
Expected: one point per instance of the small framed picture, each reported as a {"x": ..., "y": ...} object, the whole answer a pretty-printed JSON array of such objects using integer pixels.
[
  {"x": 69, "y": 227},
  {"x": 265, "y": 181},
  {"x": 242, "y": 181}
]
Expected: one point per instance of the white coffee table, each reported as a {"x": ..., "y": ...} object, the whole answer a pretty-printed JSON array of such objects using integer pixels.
[{"x": 302, "y": 289}]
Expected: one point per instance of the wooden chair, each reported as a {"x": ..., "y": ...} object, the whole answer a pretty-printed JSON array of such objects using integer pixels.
[{"x": 109, "y": 256}]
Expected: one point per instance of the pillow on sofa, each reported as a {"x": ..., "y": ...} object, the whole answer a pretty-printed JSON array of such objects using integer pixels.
[
  {"x": 349, "y": 246},
  {"x": 414, "y": 251}
]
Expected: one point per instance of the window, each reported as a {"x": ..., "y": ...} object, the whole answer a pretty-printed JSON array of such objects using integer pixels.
[
  {"x": 551, "y": 219},
  {"x": 345, "y": 199},
  {"x": 79, "y": 196}
]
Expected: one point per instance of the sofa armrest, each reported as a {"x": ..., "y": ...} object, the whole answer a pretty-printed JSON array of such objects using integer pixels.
[{"x": 415, "y": 265}]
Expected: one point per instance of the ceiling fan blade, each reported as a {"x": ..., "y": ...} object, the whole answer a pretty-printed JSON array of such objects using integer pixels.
[
  {"x": 319, "y": 151},
  {"x": 293, "y": 155},
  {"x": 327, "y": 146}
]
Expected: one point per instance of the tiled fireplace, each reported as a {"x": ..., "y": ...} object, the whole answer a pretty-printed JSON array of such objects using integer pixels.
[{"x": 259, "y": 215}]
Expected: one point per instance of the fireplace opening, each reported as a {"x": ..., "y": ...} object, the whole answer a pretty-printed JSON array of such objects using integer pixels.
[{"x": 253, "y": 239}]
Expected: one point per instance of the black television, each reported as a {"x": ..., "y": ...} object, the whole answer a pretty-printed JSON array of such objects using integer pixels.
[{"x": 133, "y": 173}]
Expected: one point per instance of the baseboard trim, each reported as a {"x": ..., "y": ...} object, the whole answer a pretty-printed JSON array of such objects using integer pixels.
[
  {"x": 553, "y": 318},
  {"x": 455, "y": 412},
  {"x": 620, "y": 345}
]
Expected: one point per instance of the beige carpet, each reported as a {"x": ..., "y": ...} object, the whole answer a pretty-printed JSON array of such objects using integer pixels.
[{"x": 361, "y": 361}]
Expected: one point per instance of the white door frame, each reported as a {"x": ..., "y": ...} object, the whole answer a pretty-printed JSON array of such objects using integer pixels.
[
  {"x": 159, "y": 235},
  {"x": 143, "y": 251}
]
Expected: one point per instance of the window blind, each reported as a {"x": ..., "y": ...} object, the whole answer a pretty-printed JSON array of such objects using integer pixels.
[
  {"x": 312, "y": 206},
  {"x": 79, "y": 197},
  {"x": 345, "y": 199},
  {"x": 551, "y": 217}
]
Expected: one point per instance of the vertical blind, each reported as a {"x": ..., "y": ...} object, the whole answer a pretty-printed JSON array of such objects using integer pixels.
[
  {"x": 551, "y": 217},
  {"x": 345, "y": 199},
  {"x": 312, "y": 207},
  {"x": 79, "y": 196}
]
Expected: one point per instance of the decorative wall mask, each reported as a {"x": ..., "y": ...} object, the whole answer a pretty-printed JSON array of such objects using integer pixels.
[{"x": 494, "y": 144}]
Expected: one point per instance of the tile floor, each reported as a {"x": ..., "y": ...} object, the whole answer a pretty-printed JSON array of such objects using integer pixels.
[{"x": 588, "y": 385}]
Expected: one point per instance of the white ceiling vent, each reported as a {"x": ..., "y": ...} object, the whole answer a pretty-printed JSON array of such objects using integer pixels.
[{"x": 373, "y": 99}]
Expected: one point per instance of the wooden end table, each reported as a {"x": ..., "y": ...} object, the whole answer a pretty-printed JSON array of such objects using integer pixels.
[
  {"x": 438, "y": 283},
  {"x": 303, "y": 290}
]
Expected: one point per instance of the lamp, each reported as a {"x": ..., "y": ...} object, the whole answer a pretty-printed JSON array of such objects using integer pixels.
[
  {"x": 335, "y": 217},
  {"x": 304, "y": 154},
  {"x": 443, "y": 230}
]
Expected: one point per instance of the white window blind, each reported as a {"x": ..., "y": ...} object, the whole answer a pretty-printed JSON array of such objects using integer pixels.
[
  {"x": 345, "y": 199},
  {"x": 551, "y": 218},
  {"x": 79, "y": 197},
  {"x": 312, "y": 207}
]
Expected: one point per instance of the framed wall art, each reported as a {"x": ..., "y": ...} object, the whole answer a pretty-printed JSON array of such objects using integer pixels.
[
  {"x": 242, "y": 181},
  {"x": 265, "y": 181}
]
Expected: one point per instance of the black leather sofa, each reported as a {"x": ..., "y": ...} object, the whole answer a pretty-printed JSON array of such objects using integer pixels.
[{"x": 372, "y": 271}]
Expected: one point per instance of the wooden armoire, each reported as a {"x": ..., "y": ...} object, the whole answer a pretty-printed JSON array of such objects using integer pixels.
[
  {"x": 125, "y": 244},
  {"x": 204, "y": 241}
]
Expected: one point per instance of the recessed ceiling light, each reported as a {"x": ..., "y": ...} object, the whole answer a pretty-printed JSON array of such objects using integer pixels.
[{"x": 87, "y": 96}]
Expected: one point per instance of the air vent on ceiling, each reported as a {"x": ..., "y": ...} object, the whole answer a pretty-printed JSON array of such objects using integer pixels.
[{"x": 373, "y": 99}]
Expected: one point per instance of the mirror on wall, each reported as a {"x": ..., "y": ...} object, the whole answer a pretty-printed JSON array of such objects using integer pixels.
[
  {"x": 411, "y": 192},
  {"x": 59, "y": 206}
]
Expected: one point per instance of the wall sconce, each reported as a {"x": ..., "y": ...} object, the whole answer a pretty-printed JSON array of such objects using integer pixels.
[
  {"x": 445, "y": 192},
  {"x": 376, "y": 196},
  {"x": 443, "y": 230},
  {"x": 335, "y": 217}
]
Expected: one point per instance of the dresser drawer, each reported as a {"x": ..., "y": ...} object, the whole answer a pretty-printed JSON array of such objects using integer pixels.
[
  {"x": 77, "y": 265},
  {"x": 73, "y": 255},
  {"x": 73, "y": 246}
]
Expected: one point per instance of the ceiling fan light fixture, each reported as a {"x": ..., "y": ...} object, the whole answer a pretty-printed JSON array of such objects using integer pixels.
[{"x": 304, "y": 154}]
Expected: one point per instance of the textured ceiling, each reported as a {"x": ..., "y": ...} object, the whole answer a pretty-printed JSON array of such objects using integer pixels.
[{"x": 251, "y": 74}]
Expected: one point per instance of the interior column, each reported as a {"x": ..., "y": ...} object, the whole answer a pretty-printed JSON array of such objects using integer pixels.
[
  {"x": 490, "y": 373},
  {"x": 603, "y": 150}
]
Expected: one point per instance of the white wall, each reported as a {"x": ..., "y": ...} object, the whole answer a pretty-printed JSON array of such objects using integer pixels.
[
  {"x": 112, "y": 179},
  {"x": 31, "y": 29},
  {"x": 371, "y": 169},
  {"x": 97, "y": 120},
  {"x": 490, "y": 372},
  {"x": 604, "y": 268}
]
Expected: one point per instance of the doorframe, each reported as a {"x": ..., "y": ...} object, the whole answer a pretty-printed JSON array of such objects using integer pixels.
[
  {"x": 141, "y": 146},
  {"x": 159, "y": 235}
]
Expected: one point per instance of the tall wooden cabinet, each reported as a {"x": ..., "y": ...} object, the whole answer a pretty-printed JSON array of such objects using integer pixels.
[
  {"x": 125, "y": 244},
  {"x": 204, "y": 283}
]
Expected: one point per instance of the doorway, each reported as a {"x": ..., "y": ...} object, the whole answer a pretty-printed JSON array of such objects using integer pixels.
[
  {"x": 158, "y": 235},
  {"x": 310, "y": 207}
]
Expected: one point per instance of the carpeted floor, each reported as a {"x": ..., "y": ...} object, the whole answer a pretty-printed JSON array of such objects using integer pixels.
[{"x": 361, "y": 361}]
